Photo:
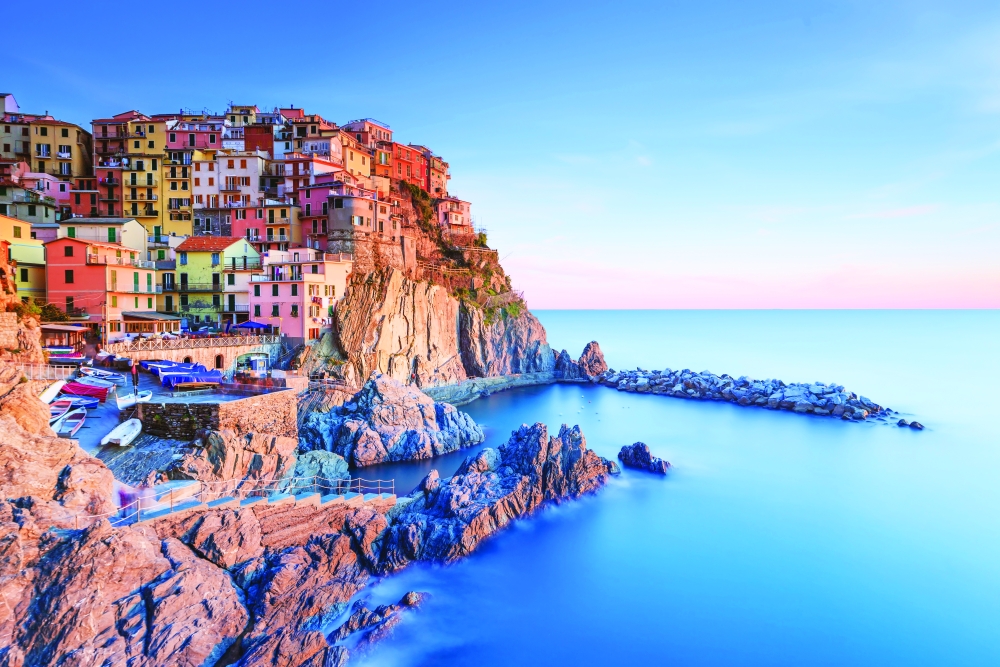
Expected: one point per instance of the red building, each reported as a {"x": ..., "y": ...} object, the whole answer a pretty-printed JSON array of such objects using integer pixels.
[
  {"x": 259, "y": 137},
  {"x": 410, "y": 164},
  {"x": 110, "y": 145}
]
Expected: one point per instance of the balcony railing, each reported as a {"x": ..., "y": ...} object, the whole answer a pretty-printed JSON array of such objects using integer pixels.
[
  {"x": 242, "y": 264},
  {"x": 281, "y": 238},
  {"x": 132, "y": 288},
  {"x": 236, "y": 308},
  {"x": 109, "y": 197},
  {"x": 109, "y": 181},
  {"x": 141, "y": 197},
  {"x": 190, "y": 343},
  {"x": 145, "y": 213},
  {"x": 165, "y": 265},
  {"x": 64, "y": 155},
  {"x": 281, "y": 278},
  {"x": 104, "y": 260},
  {"x": 193, "y": 287},
  {"x": 159, "y": 239},
  {"x": 141, "y": 182}
]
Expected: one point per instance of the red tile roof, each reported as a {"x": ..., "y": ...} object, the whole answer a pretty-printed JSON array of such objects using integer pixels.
[{"x": 208, "y": 243}]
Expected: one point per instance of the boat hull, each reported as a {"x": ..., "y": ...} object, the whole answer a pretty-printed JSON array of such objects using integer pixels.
[{"x": 123, "y": 434}]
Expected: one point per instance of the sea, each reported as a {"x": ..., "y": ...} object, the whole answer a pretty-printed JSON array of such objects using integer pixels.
[{"x": 775, "y": 539}]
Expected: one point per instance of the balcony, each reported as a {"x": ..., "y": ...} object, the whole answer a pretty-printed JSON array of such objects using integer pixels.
[
  {"x": 110, "y": 196},
  {"x": 64, "y": 156},
  {"x": 109, "y": 181},
  {"x": 242, "y": 264},
  {"x": 141, "y": 197},
  {"x": 158, "y": 239},
  {"x": 166, "y": 265},
  {"x": 104, "y": 260},
  {"x": 234, "y": 308},
  {"x": 195, "y": 287},
  {"x": 278, "y": 239},
  {"x": 280, "y": 278},
  {"x": 147, "y": 182},
  {"x": 279, "y": 221},
  {"x": 229, "y": 187},
  {"x": 135, "y": 289},
  {"x": 145, "y": 213}
]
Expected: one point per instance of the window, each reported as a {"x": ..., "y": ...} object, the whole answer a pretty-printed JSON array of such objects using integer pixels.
[
  {"x": 295, "y": 310},
  {"x": 184, "y": 258},
  {"x": 137, "y": 302},
  {"x": 136, "y": 143},
  {"x": 197, "y": 181},
  {"x": 295, "y": 289},
  {"x": 243, "y": 165},
  {"x": 149, "y": 302},
  {"x": 68, "y": 276},
  {"x": 274, "y": 290},
  {"x": 315, "y": 268},
  {"x": 211, "y": 138},
  {"x": 65, "y": 132},
  {"x": 256, "y": 289},
  {"x": 232, "y": 164},
  {"x": 69, "y": 304},
  {"x": 111, "y": 235},
  {"x": 218, "y": 361},
  {"x": 44, "y": 131},
  {"x": 68, "y": 251},
  {"x": 231, "y": 279},
  {"x": 215, "y": 259},
  {"x": 211, "y": 181},
  {"x": 338, "y": 203},
  {"x": 24, "y": 275},
  {"x": 256, "y": 310},
  {"x": 173, "y": 137},
  {"x": 274, "y": 310},
  {"x": 114, "y": 301},
  {"x": 32, "y": 210},
  {"x": 151, "y": 144},
  {"x": 17, "y": 232}
]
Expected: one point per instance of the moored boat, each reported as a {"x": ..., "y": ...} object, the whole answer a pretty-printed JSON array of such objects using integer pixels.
[
  {"x": 127, "y": 399},
  {"x": 71, "y": 422},
  {"x": 123, "y": 434},
  {"x": 59, "y": 408},
  {"x": 52, "y": 391},
  {"x": 91, "y": 391},
  {"x": 86, "y": 402},
  {"x": 96, "y": 382},
  {"x": 110, "y": 376}
]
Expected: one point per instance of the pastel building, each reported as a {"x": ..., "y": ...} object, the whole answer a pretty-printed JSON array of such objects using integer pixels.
[
  {"x": 108, "y": 284},
  {"x": 126, "y": 232},
  {"x": 212, "y": 278},
  {"x": 454, "y": 214},
  {"x": 298, "y": 291},
  {"x": 29, "y": 253}
]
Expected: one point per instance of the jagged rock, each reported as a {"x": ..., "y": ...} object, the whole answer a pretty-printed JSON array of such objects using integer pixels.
[
  {"x": 19, "y": 400},
  {"x": 325, "y": 467},
  {"x": 507, "y": 346},
  {"x": 638, "y": 456},
  {"x": 447, "y": 519},
  {"x": 592, "y": 360},
  {"x": 227, "y": 455},
  {"x": 387, "y": 421},
  {"x": 399, "y": 327},
  {"x": 374, "y": 624},
  {"x": 302, "y": 589}
]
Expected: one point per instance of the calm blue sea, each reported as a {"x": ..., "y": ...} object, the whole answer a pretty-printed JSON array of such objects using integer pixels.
[{"x": 777, "y": 539}]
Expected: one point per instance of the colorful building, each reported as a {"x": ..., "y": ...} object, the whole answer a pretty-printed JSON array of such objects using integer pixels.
[
  {"x": 298, "y": 291},
  {"x": 212, "y": 278},
  {"x": 102, "y": 282},
  {"x": 454, "y": 214},
  {"x": 51, "y": 146},
  {"x": 126, "y": 232},
  {"x": 29, "y": 253}
]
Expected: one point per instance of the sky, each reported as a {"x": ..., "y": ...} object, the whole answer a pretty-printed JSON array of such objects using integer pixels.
[{"x": 620, "y": 155}]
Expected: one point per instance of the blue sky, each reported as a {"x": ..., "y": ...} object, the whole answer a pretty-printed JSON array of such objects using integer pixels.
[{"x": 709, "y": 154}]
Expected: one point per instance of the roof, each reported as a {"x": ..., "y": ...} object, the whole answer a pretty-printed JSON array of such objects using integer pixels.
[
  {"x": 65, "y": 327},
  {"x": 139, "y": 315},
  {"x": 96, "y": 244},
  {"x": 208, "y": 243}
]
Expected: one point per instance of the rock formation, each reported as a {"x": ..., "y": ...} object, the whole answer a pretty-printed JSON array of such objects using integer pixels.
[
  {"x": 387, "y": 421},
  {"x": 444, "y": 520},
  {"x": 256, "y": 458},
  {"x": 404, "y": 329},
  {"x": 506, "y": 346},
  {"x": 637, "y": 455},
  {"x": 816, "y": 398}
]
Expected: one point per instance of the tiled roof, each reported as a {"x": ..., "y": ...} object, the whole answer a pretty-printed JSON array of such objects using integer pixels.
[{"x": 208, "y": 243}]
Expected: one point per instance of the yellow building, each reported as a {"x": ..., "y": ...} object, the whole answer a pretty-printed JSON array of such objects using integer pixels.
[
  {"x": 142, "y": 176},
  {"x": 59, "y": 148},
  {"x": 29, "y": 254},
  {"x": 240, "y": 115}
]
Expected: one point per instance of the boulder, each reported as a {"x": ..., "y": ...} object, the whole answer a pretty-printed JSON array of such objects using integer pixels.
[
  {"x": 387, "y": 421},
  {"x": 637, "y": 455},
  {"x": 592, "y": 362}
]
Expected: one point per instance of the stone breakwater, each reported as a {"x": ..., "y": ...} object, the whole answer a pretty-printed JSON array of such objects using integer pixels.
[{"x": 828, "y": 400}]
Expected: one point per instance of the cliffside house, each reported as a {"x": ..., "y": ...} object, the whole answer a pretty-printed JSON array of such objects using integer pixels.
[
  {"x": 29, "y": 255},
  {"x": 212, "y": 279}
]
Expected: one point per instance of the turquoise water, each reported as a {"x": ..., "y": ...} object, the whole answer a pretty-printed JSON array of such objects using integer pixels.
[{"x": 777, "y": 539}]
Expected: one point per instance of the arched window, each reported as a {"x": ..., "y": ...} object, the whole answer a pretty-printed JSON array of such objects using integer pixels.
[
  {"x": 218, "y": 361},
  {"x": 187, "y": 360}
]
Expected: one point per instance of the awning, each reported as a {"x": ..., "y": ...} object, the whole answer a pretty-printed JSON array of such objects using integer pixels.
[
  {"x": 156, "y": 317},
  {"x": 77, "y": 328},
  {"x": 252, "y": 325}
]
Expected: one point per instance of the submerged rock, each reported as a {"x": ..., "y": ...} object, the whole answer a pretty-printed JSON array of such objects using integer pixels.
[
  {"x": 444, "y": 520},
  {"x": 387, "y": 421},
  {"x": 638, "y": 456},
  {"x": 916, "y": 426}
]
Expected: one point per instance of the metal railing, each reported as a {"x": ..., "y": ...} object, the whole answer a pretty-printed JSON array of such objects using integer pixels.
[
  {"x": 175, "y": 499},
  {"x": 147, "y": 345},
  {"x": 192, "y": 287},
  {"x": 46, "y": 371},
  {"x": 120, "y": 261}
]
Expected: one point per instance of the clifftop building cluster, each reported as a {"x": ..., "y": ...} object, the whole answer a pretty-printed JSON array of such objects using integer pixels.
[{"x": 149, "y": 221}]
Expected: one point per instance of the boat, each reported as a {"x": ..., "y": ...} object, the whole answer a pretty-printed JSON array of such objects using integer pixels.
[
  {"x": 71, "y": 422},
  {"x": 123, "y": 434},
  {"x": 194, "y": 386},
  {"x": 52, "y": 391},
  {"x": 127, "y": 399},
  {"x": 110, "y": 376},
  {"x": 86, "y": 402},
  {"x": 78, "y": 389},
  {"x": 96, "y": 382},
  {"x": 58, "y": 408},
  {"x": 59, "y": 349},
  {"x": 74, "y": 356}
]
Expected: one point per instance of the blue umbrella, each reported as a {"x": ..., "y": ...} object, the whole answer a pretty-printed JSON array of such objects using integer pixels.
[{"x": 252, "y": 325}]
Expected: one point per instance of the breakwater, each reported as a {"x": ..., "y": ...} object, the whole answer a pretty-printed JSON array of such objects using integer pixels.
[{"x": 817, "y": 398}]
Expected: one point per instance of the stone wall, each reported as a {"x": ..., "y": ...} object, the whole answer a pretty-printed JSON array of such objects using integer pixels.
[
  {"x": 8, "y": 331},
  {"x": 274, "y": 414},
  {"x": 199, "y": 355}
]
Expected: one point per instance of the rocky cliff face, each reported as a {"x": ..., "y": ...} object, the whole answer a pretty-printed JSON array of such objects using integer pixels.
[
  {"x": 407, "y": 330},
  {"x": 447, "y": 519},
  {"x": 506, "y": 346},
  {"x": 387, "y": 421}
]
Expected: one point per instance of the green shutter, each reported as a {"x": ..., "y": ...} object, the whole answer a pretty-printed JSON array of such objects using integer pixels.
[{"x": 111, "y": 235}]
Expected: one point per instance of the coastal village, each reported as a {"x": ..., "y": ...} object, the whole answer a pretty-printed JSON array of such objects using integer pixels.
[{"x": 152, "y": 225}]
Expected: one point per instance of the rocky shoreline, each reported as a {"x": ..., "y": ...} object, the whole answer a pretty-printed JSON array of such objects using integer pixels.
[{"x": 817, "y": 398}]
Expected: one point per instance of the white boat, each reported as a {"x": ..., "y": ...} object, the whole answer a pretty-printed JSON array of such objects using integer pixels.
[
  {"x": 52, "y": 391},
  {"x": 67, "y": 425},
  {"x": 110, "y": 376},
  {"x": 96, "y": 382},
  {"x": 127, "y": 399},
  {"x": 123, "y": 434}
]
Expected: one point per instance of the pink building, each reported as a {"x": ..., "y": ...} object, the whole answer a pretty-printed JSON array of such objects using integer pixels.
[
  {"x": 298, "y": 291},
  {"x": 454, "y": 214}
]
